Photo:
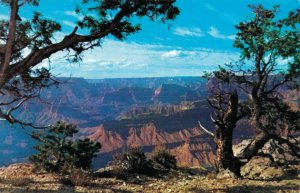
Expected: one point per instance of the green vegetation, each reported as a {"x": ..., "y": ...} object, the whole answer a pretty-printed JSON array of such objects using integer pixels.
[
  {"x": 20, "y": 75},
  {"x": 133, "y": 160},
  {"x": 58, "y": 152},
  {"x": 265, "y": 41},
  {"x": 163, "y": 157}
]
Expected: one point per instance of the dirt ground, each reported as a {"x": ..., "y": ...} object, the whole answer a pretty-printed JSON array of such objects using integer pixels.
[{"x": 20, "y": 178}]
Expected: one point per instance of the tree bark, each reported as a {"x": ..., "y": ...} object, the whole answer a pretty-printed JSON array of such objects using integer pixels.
[
  {"x": 11, "y": 37},
  {"x": 224, "y": 135},
  {"x": 225, "y": 157},
  {"x": 258, "y": 143},
  {"x": 37, "y": 56}
]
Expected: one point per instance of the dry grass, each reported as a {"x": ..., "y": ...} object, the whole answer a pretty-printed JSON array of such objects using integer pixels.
[
  {"x": 182, "y": 180},
  {"x": 17, "y": 175},
  {"x": 18, "y": 180},
  {"x": 77, "y": 177},
  {"x": 211, "y": 175},
  {"x": 80, "y": 177},
  {"x": 238, "y": 186}
]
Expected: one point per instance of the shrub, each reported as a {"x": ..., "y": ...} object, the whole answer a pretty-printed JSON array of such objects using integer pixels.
[
  {"x": 118, "y": 172},
  {"x": 77, "y": 177},
  {"x": 133, "y": 161},
  {"x": 211, "y": 175},
  {"x": 163, "y": 157},
  {"x": 57, "y": 152}
]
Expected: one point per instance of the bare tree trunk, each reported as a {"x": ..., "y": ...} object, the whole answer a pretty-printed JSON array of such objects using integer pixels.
[
  {"x": 223, "y": 138},
  {"x": 225, "y": 157}
]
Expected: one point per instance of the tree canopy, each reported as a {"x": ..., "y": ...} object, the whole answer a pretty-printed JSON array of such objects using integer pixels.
[
  {"x": 253, "y": 88},
  {"x": 25, "y": 43}
]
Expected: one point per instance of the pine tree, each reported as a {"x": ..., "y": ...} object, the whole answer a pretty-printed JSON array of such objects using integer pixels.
[
  {"x": 252, "y": 87},
  {"x": 58, "y": 152}
]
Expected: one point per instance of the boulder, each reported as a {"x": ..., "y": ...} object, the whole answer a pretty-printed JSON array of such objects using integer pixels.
[
  {"x": 225, "y": 174},
  {"x": 277, "y": 165},
  {"x": 262, "y": 168}
]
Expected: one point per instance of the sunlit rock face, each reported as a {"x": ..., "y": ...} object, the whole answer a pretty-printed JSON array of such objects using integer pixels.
[{"x": 126, "y": 112}]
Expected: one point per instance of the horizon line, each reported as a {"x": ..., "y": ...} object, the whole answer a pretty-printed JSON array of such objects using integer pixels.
[{"x": 78, "y": 77}]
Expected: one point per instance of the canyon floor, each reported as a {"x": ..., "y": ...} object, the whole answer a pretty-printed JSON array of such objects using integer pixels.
[{"x": 20, "y": 178}]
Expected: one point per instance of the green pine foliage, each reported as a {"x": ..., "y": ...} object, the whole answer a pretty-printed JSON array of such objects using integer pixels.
[
  {"x": 58, "y": 152},
  {"x": 83, "y": 152},
  {"x": 256, "y": 85}
]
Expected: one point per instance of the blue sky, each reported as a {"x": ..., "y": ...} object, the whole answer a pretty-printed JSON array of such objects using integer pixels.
[{"x": 199, "y": 40}]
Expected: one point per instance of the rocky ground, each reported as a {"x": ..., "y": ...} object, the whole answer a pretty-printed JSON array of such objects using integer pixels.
[{"x": 21, "y": 178}]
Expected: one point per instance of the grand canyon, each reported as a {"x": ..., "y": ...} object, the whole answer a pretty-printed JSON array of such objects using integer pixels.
[{"x": 120, "y": 113}]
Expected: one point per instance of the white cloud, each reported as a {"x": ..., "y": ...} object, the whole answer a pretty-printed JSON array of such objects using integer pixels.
[
  {"x": 284, "y": 62},
  {"x": 69, "y": 23},
  {"x": 58, "y": 36},
  {"x": 136, "y": 60},
  {"x": 130, "y": 59},
  {"x": 171, "y": 54},
  {"x": 4, "y": 17},
  {"x": 214, "y": 32},
  {"x": 183, "y": 31},
  {"x": 74, "y": 14}
]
